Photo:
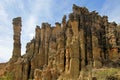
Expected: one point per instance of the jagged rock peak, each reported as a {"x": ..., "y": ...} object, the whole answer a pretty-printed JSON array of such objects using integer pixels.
[
  {"x": 45, "y": 25},
  {"x": 79, "y": 10},
  {"x": 57, "y": 23}
]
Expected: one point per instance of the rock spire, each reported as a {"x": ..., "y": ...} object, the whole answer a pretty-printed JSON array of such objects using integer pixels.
[{"x": 17, "y": 38}]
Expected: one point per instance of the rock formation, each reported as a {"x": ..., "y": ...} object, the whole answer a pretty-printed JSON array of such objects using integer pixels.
[
  {"x": 16, "y": 37},
  {"x": 69, "y": 49}
]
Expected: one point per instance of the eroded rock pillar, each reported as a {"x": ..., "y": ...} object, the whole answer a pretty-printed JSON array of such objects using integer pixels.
[{"x": 17, "y": 34}]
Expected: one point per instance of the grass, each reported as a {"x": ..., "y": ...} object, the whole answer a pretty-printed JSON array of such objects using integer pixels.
[{"x": 101, "y": 74}]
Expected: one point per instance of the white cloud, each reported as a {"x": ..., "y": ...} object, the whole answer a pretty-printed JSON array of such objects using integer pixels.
[
  {"x": 5, "y": 33},
  {"x": 29, "y": 25},
  {"x": 2, "y": 60},
  {"x": 111, "y": 8},
  {"x": 5, "y": 47},
  {"x": 39, "y": 9},
  {"x": 5, "y": 52},
  {"x": 3, "y": 14}
]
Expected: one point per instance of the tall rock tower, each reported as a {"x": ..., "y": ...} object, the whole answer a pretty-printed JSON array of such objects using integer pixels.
[{"x": 17, "y": 42}]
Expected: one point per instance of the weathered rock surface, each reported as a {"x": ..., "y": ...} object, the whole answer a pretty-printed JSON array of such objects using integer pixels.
[{"x": 65, "y": 52}]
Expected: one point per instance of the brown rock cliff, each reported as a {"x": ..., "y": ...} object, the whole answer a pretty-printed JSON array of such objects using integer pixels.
[{"x": 85, "y": 41}]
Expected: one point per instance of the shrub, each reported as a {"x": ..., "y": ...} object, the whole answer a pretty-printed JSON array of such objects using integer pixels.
[
  {"x": 111, "y": 78},
  {"x": 8, "y": 76},
  {"x": 102, "y": 74}
]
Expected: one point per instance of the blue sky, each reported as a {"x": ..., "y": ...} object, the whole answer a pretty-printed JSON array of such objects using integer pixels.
[{"x": 34, "y": 12}]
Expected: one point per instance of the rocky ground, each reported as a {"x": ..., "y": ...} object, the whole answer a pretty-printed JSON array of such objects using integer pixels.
[{"x": 94, "y": 74}]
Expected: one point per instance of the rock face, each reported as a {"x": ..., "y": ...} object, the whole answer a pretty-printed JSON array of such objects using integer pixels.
[{"x": 66, "y": 51}]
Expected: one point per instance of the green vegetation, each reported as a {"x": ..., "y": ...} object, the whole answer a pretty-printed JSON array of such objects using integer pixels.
[
  {"x": 101, "y": 74},
  {"x": 8, "y": 76}
]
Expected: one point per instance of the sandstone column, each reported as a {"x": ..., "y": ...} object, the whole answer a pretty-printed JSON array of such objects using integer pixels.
[
  {"x": 74, "y": 47},
  {"x": 17, "y": 42},
  {"x": 111, "y": 38},
  {"x": 47, "y": 38},
  {"x": 95, "y": 30}
]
